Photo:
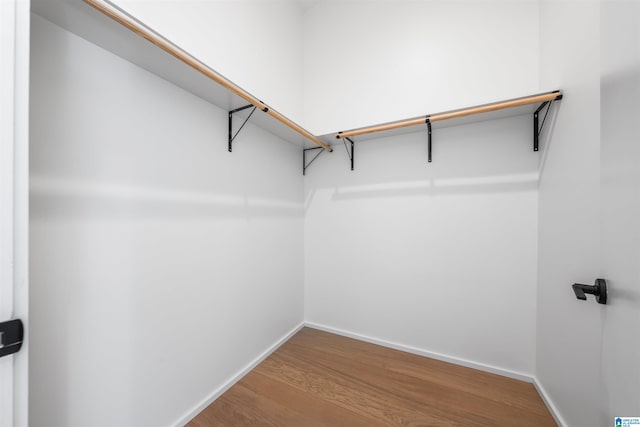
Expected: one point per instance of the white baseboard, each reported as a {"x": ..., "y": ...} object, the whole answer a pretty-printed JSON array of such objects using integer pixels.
[
  {"x": 237, "y": 377},
  {"x": 547, "y": 401},
  {"x": 420, "y": 352}
]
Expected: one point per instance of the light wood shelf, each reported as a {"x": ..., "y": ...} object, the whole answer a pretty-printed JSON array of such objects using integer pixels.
[
  {"x": 507, "y": 108},
  {"x": 105, "y": 25}
]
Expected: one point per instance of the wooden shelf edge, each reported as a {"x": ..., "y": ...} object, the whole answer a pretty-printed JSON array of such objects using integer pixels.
[
  {"x": 447, "y": 115},
  {"x": 121, "y": 17},
  {"x": 113, "y": 29}
]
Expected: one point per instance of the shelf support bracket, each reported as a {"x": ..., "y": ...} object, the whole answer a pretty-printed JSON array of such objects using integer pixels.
[
  {"x": 537, "y": 127},
  {"x": 428, "y": 121},
  {"x": 349, "y": 153},
  {"x": 232, "y": 136},
  {"x": 306, "y": 165}
]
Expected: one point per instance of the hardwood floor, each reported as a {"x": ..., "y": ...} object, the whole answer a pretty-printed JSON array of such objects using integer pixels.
[{"x": 322, "y": 379}]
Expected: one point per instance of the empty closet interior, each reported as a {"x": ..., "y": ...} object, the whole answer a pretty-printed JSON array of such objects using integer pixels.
[{"x": 208, "y": 177}]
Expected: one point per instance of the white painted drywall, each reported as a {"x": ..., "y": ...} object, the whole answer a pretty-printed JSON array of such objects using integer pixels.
[
  {"x": 368, "y": 62},
  {"x": 569, "y": 332},
  {"x": 7, "y": 190},
  {"x": 161, "y": 264},
  {"x": 256, "y": 44},
  {"x": 620, "y": 189},
  {"x": 440, "y": 257},
  {"x": 14, "y": 196}
]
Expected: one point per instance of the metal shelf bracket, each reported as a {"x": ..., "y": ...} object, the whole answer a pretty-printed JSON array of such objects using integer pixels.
[
  {"x": 537, "y": 127},
  {"x": 349, "y": 153},
  {"x": 232, "y": 135},
  {"x": 305, "y": 165},
  {"x": 428, "y": 121}
]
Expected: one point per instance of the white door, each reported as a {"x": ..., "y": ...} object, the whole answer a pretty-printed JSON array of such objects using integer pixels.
[
  {"x": 587, "y": 354},
  {"x": 620, "y": 206},
  {"x": 14, "y": 172}
]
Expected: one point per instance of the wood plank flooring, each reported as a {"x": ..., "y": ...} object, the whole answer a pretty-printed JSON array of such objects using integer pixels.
[{"x": 322, "y": 379}]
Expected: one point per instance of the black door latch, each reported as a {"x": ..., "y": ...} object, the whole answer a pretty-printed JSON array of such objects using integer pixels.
[
  {"x": 11, "y": 336},
  {"x": 599, "y": 289}
]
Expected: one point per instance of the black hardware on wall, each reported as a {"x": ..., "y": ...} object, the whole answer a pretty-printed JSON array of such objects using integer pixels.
[
  {"x": 428, "y": 139},
  {"x": 232, "y": 136},
  {"x": 11, "y": 336},
  {"x": 345, "y": 147},
  {"x": 537, "y": 129},
  {"x": 305, "y": 165},
  {"x": 599, "y": 289}
]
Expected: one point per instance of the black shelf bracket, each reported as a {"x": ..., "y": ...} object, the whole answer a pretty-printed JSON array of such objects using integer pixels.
[
  {"x": 349, "y": 153},
  {"x": 305, "y": 165},
  {"x": 11, "y": 336},
  {"x": 428, "y": 121},
  {"x": 537, "y": 128},
  {"x": 232, "y": 135}
]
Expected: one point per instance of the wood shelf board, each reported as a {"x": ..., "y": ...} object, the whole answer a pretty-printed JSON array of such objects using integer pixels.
[
  {"x": 86, "y": 22},
  {"x": 459, "y": 121}
]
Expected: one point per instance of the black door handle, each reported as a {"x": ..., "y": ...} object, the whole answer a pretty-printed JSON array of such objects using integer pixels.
[
  {"x": 11, "y": 336},
  {"x": 599, "y": 289}
]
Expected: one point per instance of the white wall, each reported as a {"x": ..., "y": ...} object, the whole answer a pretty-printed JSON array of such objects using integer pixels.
[
  {"x": 256, "y": 44},
  {"x": 620, "y": 189},
  {"x": 440, "y": 257},
  {"x": 368, "y": 62},
  {"x": 14, "y": 196},
  {"x": 569, "y": 331},
  {"x": 161, "y": 264}
]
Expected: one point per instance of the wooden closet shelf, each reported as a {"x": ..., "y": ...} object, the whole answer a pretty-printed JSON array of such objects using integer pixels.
[
  {"x": 527, "y": 101},
  {"x": 105, "y": 25}
]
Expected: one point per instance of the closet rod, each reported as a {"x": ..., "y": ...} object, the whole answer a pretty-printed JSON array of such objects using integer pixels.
[
  {"x": 140, "y": 29},
  {"x": 452, "y": 114}
]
